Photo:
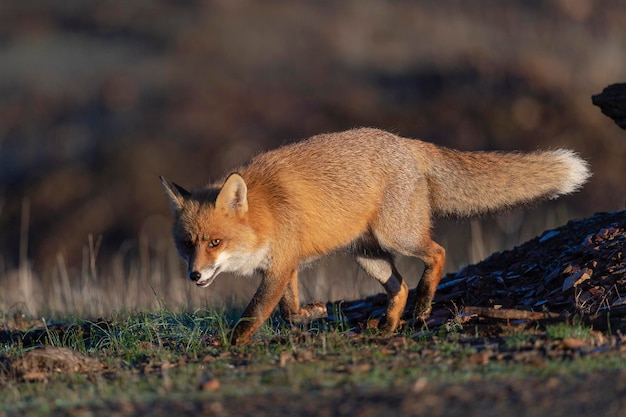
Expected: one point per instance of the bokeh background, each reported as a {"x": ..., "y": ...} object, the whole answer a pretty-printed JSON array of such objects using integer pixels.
[{"x": 99, "y": 98}]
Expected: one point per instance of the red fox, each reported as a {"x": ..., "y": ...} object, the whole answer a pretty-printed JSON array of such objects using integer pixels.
[{"x": 365, "y": 190}]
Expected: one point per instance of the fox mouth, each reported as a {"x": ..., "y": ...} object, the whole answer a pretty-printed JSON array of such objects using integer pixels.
[
  {"x": 210, "y": 277},
  {"x": 203, "y": 283}
]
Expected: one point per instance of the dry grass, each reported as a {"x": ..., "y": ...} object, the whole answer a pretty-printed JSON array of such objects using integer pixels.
[{"x": 148, "y": 275}]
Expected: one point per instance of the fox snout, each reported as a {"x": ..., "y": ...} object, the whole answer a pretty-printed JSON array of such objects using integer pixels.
[
  {"x": 204, "y": 277},
  {"x": 202, "y": 264}
]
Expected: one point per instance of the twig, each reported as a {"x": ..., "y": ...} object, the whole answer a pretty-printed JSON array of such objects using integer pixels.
[{"x": 509, "y": 314}]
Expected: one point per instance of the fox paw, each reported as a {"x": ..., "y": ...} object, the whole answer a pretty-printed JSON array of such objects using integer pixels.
[
  {"x": 308, "y": 313},
  {"x": 316, "y": 310},
  {"x": 422, "y": 312},
  {"x": 387, "y": 326}
]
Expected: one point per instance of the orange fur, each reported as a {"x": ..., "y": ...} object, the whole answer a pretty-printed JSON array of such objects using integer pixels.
[{"x": 365, "y": 190}]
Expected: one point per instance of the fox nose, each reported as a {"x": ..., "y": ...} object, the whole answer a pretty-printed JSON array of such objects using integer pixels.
[{"x": 195, "y": 275}]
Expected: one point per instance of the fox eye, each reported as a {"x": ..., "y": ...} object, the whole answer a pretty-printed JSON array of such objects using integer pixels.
[{"x": 214, "y": 243}]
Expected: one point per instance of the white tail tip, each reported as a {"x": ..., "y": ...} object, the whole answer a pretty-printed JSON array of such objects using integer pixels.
[{"x": 577, "y": 171}]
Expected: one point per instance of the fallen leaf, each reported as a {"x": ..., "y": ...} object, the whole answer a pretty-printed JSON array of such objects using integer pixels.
[
  {"x": 209, "y": 383},
  {"x": 285, "y": 358},
  {"x": 573, "y": 343},
  {"x": 35, "y": 376}
]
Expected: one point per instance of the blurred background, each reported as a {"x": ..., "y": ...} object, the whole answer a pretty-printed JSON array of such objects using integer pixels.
[{"x": 99, "y": 98}]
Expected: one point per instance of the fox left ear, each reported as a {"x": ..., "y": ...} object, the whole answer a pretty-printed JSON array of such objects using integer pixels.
[
  {"x": 233, "y": 197},
  {"x": 176, "y": 193}
]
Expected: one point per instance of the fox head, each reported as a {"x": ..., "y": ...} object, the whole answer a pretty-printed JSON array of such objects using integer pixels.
[{"x": 211, "y": 230}]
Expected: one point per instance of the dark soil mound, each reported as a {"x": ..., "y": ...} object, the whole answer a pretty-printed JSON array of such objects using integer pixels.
[{"x": 577, "y": 269}]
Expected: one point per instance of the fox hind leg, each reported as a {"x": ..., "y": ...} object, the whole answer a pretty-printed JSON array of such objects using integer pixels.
[
  {"x": 404, "y": 227},
  {"x": 383, "y": 269},
  {"x": 290, "y": 308},
  {"x": 434, "y": 258}
]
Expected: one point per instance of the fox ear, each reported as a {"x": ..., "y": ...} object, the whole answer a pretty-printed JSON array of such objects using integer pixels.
[
  {"x": 176, "y": 193},
  {"x": 233, "y": 196}
]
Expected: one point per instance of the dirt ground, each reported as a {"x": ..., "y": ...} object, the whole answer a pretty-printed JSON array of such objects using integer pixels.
[{"x": 595, "y": 394}]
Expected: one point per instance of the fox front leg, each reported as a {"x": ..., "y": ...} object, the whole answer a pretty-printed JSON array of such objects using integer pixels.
[
  {"x": 265, "y": 300},
  {"x": 290, "y": 308}
]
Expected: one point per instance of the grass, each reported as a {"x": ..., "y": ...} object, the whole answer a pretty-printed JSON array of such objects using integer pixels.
[
  {"x": 160, "y": 355},
  {"x": 575, "y": 330}
]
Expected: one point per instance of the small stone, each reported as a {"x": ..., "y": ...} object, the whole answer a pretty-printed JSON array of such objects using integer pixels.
[{"x": 419, "y": 385}]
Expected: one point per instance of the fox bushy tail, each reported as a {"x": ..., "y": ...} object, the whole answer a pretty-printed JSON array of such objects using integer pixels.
[{"x": 463, "y": 184}]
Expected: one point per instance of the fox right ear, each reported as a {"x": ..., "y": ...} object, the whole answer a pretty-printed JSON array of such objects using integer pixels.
[
  {"x": 176, "y": 193},
  {"x": 233, "y": 197}
]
